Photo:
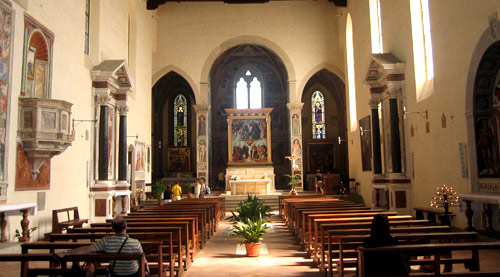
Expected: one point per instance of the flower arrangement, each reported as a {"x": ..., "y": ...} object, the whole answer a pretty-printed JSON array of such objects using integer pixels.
[
  {"x": 139, "y": 193},
  {"x": 445, "y": 197}
]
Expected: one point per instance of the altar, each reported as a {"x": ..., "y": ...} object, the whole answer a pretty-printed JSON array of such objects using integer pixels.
[{"x": 250, "y": 186}]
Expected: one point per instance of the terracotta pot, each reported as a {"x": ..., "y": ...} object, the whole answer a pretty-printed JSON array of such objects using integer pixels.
[
  {"x": 160, "y": 203},
  {"x": 253, "y": 249},
  {"x": 189, "y": 195},
  {"x": 293, "y": 192}
]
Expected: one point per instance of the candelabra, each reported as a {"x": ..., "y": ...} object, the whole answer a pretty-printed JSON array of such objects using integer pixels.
[{"x": 445, "y": 197}]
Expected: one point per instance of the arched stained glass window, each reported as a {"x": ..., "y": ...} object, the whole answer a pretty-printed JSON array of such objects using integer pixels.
[
  {"x": 318, "y": 115},
  {"x": 248, "y": 92},
  {"x": 180, "y": 121}
]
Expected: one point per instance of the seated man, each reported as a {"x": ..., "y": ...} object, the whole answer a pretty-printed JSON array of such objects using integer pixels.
[{"x": 113, "y": 244}]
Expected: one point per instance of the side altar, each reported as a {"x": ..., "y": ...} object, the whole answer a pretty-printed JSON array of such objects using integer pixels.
[{"x": 250, "y": 168}]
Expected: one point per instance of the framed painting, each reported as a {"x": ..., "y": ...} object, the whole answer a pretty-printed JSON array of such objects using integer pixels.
[
  {"x": 179, "y": 159},
  {"x": 140, "y": 161},
  {"x": 249, "y": 136},
  {"x": 320, "y": 156},
  {"x": 366, "y": 144}
]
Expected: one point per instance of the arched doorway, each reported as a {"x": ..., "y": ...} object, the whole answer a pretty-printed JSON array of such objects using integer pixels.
[
  {"x": 323, "y": 121},
  {"x": 241, "y": 62},
  {"x": 174, "y": 132}
]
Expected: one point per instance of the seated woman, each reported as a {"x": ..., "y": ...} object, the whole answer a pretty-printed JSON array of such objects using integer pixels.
[{"x": 377, "y": 264}]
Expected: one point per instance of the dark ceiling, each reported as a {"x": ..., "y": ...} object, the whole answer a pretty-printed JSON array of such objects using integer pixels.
[{"x": 153, "y": 4}]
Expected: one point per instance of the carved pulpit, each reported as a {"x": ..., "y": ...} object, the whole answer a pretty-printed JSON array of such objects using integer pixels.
[{"x": 250, "y": 168}]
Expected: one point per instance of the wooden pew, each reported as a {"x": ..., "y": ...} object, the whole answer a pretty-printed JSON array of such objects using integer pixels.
[
  {"x": 63, "y": 270},
  {"x": 347, "y": 245},
  {"x": 152, "y": 250},
  {"x": 182, "y": 240},
  {"x": 437, "y": 250},
  {"x": 75, "y": 221},
  {"x": 171, "y": 243}
]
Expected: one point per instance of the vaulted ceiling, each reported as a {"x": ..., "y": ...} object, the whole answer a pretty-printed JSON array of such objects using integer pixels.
[{"x": 153, "y": 4}]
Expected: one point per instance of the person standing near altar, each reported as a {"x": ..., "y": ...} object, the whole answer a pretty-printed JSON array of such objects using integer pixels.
[{"x": 203, "y": 188}]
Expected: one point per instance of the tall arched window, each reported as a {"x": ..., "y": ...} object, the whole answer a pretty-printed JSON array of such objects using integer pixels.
[
  {"x": 376, "y": 27},
  {"x": 350, "y": 74},
  {"x": 180, "y": 121},
  {"x": 422, "y": 46},
  {"x": 318, "y": 115},
  {"x": 248, "y": 92}
]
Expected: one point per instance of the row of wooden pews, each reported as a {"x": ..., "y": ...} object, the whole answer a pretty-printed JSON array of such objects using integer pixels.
[
  {"x": 331, "y": 231},
  {"x": 171, "y": 237}
]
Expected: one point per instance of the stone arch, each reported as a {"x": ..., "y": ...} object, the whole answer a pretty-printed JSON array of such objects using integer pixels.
[
  {"x": 172, "y": 68},
  {"x": 333, "y": 89},
  {"x": 327, "y": 66},
  {"x": 164, "y": 92},
  {"x": 241, "y": 40},
  {"x": 483, "y": 74}
]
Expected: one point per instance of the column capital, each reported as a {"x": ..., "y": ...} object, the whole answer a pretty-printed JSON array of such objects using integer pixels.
[
  {"x": 201, "y": 109},
  {"x": 373, "y": 103},
  {"x": 104, "y": 99},
  {"x": 394, "y": 92},
  {"x": 123, "y": 109},
  {"x": 295, "y": 107}
]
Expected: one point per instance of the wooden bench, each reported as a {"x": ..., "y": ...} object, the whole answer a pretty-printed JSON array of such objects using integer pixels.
[
  {"x": 347, "y": 245},
  {"x": 439, "y": 251},
  {"x": 75, "y": 221},
  {"x": 63, "y": 270},
  {"x": 172, "y": 248}
]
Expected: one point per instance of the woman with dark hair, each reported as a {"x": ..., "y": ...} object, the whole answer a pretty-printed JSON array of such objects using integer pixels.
[{"x": 377, "y": 264}]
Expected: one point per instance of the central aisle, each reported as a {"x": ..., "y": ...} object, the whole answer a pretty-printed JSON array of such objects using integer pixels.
[{"x": 221, "y": 258}]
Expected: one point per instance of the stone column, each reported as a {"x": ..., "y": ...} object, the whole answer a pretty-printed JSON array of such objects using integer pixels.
[
  {"x": 202, "y": 142},
  {"x": 375, "y": 130},
  {"x": 103, "y": 142},
  {"x": 296, "y": 146},
  {"x": 122, "y": 144},
  {"x": 395, "y": 137}
]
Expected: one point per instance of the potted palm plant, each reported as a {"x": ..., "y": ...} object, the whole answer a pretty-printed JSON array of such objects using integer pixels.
[
  {"x": 252, "y": 232},
  {"x": 158, "y": 187}
]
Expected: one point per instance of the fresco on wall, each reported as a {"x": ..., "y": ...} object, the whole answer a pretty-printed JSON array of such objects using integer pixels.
[
  {"x": 487, "y": 150},
  {"x": 111, "y": 135},
  {"x": 202, "y": 126},
  {"x": 5, "y": 71}
]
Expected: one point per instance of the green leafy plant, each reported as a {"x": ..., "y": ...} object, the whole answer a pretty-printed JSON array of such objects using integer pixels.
[
  {"x": 30, "y": 230},
  {"x": 158, "y": 188},
  {"x": 252, "y": 231},
  {"x": 253, "y": 209},
  {"x": 293, "y": 180}
]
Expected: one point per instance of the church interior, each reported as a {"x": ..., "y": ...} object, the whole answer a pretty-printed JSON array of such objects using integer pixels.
[{"x": 394, "y": 103}]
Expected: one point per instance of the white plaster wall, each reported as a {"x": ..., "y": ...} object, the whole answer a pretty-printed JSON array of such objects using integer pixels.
[
  {"x": 192, "y": 35},
  {"x": 456, "y": 27},
  {"x": 71, "y": 82}
]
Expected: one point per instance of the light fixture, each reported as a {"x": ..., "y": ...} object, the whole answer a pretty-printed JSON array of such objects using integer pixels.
[
  {"x": 423, "y": 114},
  {"x": 362, "y": 131},
  {"x": 136, "y": 136},
  {"x": 78, "y": 123},
  {"x": 342, "y": 140}
]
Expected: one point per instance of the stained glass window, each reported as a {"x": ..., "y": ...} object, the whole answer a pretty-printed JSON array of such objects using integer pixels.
[
  {"x": 248, "y": 96},
  {"x": 180, "y": 121},
  {"x": 318, "y": 115}
]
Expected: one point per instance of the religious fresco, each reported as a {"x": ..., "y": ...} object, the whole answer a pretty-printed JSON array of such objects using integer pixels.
[
  {"x": 487, "y": 148},
  {"x": 320, "y": 156},
  {"x": 366, "y": 144},
  {"x": 295, "y": 125},
  {"x": 6, "y": 28},
  {"x": 249, "y": 140},
  {"x": 37, "y": 59},
  {"x": 140, "y": 156},
  {"x": 202, "y": 126},
  {"x": 297, "y": 148},
  {"x": 202, "y": 151}
]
